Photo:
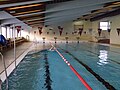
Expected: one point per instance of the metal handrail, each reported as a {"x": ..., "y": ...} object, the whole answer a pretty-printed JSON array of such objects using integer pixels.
[
  {"x": 0, "y": 84},
  {"x": 5, "y": 69}
]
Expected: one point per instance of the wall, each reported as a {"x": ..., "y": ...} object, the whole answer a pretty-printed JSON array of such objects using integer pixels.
[
  {"x": 115, "y": 23},
  {"x": 104, "y": 33},
  {"x": 68, "y": 27},
  {"x": 90, "y": 36},
  {"x": 51, "y": 29}
]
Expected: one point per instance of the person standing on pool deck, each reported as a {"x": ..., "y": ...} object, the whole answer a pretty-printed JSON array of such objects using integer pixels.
[{"x": 0, "y": 84}]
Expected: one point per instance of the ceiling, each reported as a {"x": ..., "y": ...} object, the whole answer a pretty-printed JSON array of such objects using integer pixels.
[{"x": 47, "y": 12}]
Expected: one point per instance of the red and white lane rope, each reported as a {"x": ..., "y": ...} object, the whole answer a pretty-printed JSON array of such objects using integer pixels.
[{"x": 72, "y": 68}]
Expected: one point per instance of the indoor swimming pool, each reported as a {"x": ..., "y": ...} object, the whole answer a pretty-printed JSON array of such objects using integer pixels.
[{"x": 99, "y": 66}]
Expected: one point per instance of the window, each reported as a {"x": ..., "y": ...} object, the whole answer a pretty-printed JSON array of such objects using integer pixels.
[
  {"x": 8, "y": 32},
  {"x": 11, "y": 33},
  {"x": 16, "y": 33},
  {"x": 4, "y": 31},
  {"x": 19, "y": 34},
  {"x": 0, "y": 30},
  {"x": 105, "y": 25}
]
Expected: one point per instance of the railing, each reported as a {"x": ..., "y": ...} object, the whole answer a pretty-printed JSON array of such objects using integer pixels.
[
  {"x": 72, "y": 68},
  {"x": 0, "y": 84},
  {"x": 5, "y": 70},
  {"x": 10, "y": 43},
  {"x": 7, "y": 67}
]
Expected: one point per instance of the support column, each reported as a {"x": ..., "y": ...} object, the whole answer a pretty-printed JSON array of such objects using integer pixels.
[
  {"x": 14, "y": 34},
  {"x": 0, "y": 29},
  {"x": 6, "y": 30},
  {"x": 0, "y": 84}
]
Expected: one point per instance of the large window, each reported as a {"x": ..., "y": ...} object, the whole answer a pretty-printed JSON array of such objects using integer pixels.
[
  {"x": 11, "y": 33},
  {"x": 19, "y": 34},
  {"x": 8, "y": 32},
  {"x": 4, "y": 32},
  {"x": 16, "y": 33},
  {"x": 105, "y": 25}
]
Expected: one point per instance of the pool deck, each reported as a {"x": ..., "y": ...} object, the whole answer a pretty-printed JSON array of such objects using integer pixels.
[{"x": 9, "y": 54}]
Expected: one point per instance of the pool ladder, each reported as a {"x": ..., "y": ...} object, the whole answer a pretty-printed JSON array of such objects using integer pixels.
[{"x": 5, "y": 69}]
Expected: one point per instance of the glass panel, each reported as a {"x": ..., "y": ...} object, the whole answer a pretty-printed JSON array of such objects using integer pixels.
[
  {"x": 8, "y": 32},
  {"x": 4, "y": 31},
  {"x": 104, "y": 25}
]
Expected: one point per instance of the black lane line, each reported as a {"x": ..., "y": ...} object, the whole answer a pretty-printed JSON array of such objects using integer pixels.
[
  {"x": 105, "y": 83},
  {"x": 109, "y": 50},
  {"x": 97, "y": 54},
  {"x": 48, "y": 80},
  {"x": 104, "y": 46}
]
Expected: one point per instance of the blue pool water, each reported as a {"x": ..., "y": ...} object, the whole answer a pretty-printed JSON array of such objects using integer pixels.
[{"x": 99, "y": 65}]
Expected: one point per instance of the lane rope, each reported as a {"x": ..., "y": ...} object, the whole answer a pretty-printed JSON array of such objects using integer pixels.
[{"x": 72, "y": 68}]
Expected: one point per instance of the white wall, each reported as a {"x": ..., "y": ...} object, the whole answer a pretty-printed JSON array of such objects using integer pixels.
[
  {"x": 115, "y": 23},
  {"x": 104, "y": 33},
  {"x": 68, "y": 27}
]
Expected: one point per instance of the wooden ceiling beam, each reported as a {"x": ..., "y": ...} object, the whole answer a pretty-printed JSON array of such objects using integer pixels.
[
  {"x": 112, "y": 3},
  {"x": 28, "y": 9},
  {"x": 101, "y": 11},
  {"x": 39, "y": 24},
  {"x": 11, "y": 1},
  {"x": 57, "y": 1},
  {"x": 27, "y": 12},
  {"x": 34, "y": 19},
  {"x": 36, "y": 22},
  {"x": 23, "y": 7},
  {"x": 109, "y": 14},
  {"x": 31, "y": 17}
]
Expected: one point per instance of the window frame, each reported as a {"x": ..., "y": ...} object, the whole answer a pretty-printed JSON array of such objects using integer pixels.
[{"x": 106, "y": 26}]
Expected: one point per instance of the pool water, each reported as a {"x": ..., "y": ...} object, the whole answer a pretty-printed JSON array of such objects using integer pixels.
[{"x": 99, "y": 65}]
